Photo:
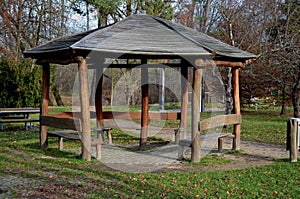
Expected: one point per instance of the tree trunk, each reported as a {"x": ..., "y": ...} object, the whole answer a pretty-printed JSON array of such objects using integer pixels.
[
  {"x": 190, "y": 22},
  {"x": 283, "y": 107},
  {"x": 229, "y": 76},
  {"x": 62, "y": 23},
  {"x": 57, "y": 96},
  {"x": 295, "y": 100},
  {"x": 128, "y": 8},
  {"x": 228, "y": 95},
  {"x": 19, "y": 31},
  {"x": 207, "y": 14},
  {"x": 87, "y": 16}
]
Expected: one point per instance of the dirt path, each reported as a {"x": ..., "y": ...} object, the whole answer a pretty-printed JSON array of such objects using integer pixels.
[{"x": 253, "y": 154}]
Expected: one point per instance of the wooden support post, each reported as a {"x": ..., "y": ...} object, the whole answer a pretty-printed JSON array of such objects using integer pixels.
[
  {"x": 85, "y": 110},
  {"x": 237, "y": 110},
  {"x": 196, "y": 104},
  {"x": 45, "y": 104},
  {"x": 162, "y": 89},
  {"x": 292, "y": 138},
  {"x": 145, "y": 109},
  {"x": 99, "y": 110},
  {"x": 184, "y": 101},
  {"x": 98, "y": 98}
]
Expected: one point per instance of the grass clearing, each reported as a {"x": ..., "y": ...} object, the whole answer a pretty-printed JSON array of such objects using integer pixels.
[
  {"x": 28, "y": 171},
  {"x": 264, "y": 126}
]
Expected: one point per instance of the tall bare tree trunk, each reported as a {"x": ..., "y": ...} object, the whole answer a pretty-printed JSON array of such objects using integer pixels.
[
  {"x": 229, "y": 101},
  {"x": 87, "y": 16},
  {"x": 128, "y": 8},
  {"x": 18, "y": 39},
  {"x": 283, "y": 106},
  {"x": 203, "y": 24},
  {"x": 190, "y": 22},
  {"x": 295, "y": 96},
  {"x": 62, "y": 23}
]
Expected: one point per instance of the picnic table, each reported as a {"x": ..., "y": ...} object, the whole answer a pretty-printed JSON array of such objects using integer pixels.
[{"x": 16, "y": 115}]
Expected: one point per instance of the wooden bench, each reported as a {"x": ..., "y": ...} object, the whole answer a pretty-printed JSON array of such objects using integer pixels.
[
  {"x": 153, "y": 115},
  {"x": 101, "y": 131},
  {"x": 17, "y": 115},
  {"x": 71, "y": 129},
  {"x": 208, "y": 124}
]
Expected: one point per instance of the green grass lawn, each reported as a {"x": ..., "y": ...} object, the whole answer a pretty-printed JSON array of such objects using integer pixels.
[
  {"x": 60, "y": 174},
  {"x": 264, "y": 126}
]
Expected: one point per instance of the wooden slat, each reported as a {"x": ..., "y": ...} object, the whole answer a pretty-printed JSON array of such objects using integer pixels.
[
  {"x": 68, "y": 135},
  {"x": 62, "y": 123},
  {"x": 138, "y": 115},
  {"x": 65, "y": 114},
  {"x": 219, "y": 120},
  {"x": 12, "y": 111},
  {"x": 18, "y": 120},
  {"x": 72, "y": 136},
  {"x": 124, "y": 115},
  {"x": 188, "y": 142},
  {"x": 121, "y": 115}
]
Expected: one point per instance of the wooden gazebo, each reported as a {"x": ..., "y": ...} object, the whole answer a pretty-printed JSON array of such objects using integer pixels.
[{"x": 141, "y": 38}]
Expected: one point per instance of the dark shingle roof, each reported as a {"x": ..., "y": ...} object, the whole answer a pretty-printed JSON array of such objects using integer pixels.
[
  {"x": 140, "y": 34},
  {"x": 209, "y": 43}
]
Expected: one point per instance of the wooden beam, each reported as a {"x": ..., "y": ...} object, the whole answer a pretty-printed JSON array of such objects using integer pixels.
[
  {"x": 65, "y": 61},
  {"x": 145, "y": 108},
  {"x": 45, "y": 104},
  {"x": 228, "y": 63},
  {"x": 184, "y": 101},
  {"x": 207, "y": 63},
  {"x": 85, "y": 110},
  {"x": 237, "y": 110},
  {"x": 196, "y": 104}
]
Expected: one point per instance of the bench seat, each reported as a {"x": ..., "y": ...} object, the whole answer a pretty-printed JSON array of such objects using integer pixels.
[
  {"x": 210, "y": 123},
  {"x": 188, "y": 143},
  {"x": 74, "y": 135}
]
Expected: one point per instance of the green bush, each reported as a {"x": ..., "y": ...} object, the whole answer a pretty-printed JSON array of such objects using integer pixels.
[{"x": 20, "y": 84}]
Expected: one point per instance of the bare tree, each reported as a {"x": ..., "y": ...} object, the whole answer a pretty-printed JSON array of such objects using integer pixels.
[
  {"x": 27, "y": 23},
  {"x": 282, "y": 52}
]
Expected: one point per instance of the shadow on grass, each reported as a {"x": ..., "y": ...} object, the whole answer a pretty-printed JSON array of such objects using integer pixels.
[{"x": 50, "y": 151}]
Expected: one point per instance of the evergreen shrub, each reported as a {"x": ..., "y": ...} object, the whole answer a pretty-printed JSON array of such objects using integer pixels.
[{"x": 20, "y": 84}]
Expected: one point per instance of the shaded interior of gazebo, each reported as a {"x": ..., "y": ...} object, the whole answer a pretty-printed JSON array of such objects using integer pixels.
[{"x": 141, "y": 38}]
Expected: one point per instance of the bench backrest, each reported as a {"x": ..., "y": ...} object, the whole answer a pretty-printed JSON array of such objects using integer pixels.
[
  {"x": 61, "y": 123},
  {"x": 219, "y": 120}
]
